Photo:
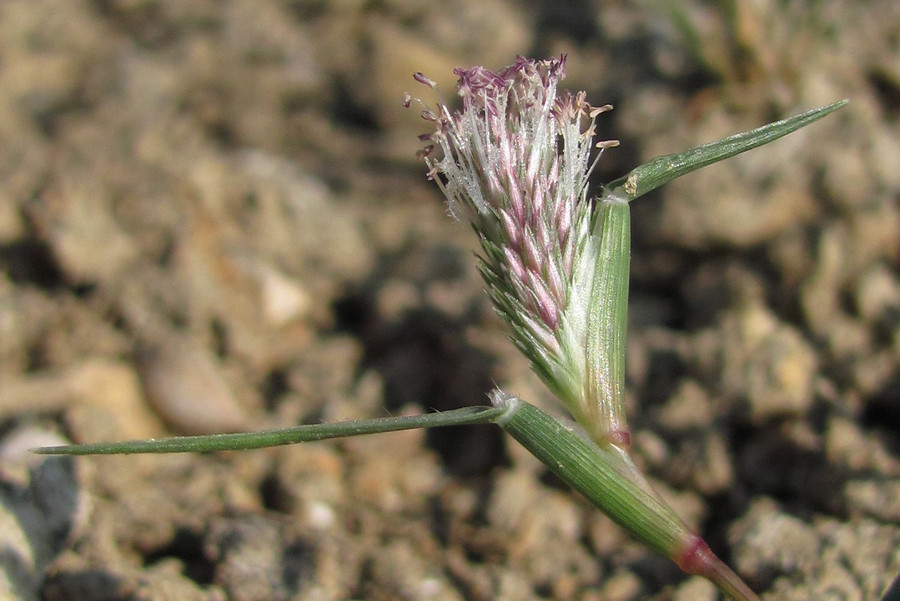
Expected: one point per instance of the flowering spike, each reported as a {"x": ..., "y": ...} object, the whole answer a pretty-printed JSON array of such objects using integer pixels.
[{"x": 515, "y": 163}]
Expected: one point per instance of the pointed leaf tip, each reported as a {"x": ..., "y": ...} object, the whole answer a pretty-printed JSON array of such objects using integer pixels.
[{"x": 664, "y": 169}]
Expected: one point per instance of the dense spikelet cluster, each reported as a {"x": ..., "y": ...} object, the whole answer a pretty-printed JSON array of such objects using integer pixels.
[{"x": 515, "y": 161}]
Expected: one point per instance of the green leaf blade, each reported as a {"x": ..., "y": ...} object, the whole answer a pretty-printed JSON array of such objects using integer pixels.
[
  {"x": 272, "y": 438},
  {"x": 664, "y": 169},
  {"x": 606, "y": 324}
]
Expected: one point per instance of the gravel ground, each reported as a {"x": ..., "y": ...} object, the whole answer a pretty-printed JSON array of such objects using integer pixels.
[{"x": 212, "y": 219}]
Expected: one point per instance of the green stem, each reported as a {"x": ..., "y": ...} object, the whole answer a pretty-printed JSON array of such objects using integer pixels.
[
  {"x": 699, "y": 560},
  {"x": 730, "y": 583},
  {"x": 606, "y": 475},
  {"x": 272, "y": 438}
]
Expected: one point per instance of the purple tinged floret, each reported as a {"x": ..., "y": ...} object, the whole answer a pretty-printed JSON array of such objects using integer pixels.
[{"x": 515, "y": 162}]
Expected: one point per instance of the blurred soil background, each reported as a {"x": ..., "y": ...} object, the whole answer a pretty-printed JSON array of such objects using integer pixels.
[{"x": 212, "y": 219}]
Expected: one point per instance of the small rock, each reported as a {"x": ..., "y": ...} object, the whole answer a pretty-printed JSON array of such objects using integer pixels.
[
  {"x": 260, "y": 558},
  {"x": 407, "y": 573},
  {"x": 696, "y": 589},
  {"x": 878, "y": 293},
  {"x": 39, "y": 514},
  {"x": 11, "y": 226},
  {"x": 166, "y": 581},
  {"x": 879, "y": 499},
  {"x": 819, "y": 292},
  {"x": 98, "y": 385},
  {"x": 855, "y": 560},
  {"x": 688, "y": 407},
  {"x": 770, "y": 542},
  {"x": 284, "y": 299},
  {"x": 184, "y": 384},
  {"x": 703, "y": 463},
  {"x": 90, "y": 246},
  {"x": 112, "y": 387},
  {"x": 621, "y": 586},
  {"x": 849, "y": 447},
  {"x": 544, "y": 527},
  {"x": 767, "y": 362}
]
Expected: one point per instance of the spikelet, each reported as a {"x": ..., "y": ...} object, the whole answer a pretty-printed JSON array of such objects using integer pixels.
[{"x": 515, "y": 162}]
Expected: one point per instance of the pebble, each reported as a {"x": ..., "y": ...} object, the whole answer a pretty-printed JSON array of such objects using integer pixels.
[
  {"x": 877, "y": 498},
  {"x": 770, "y": 540},
  {"x": 766, "y": 362},
  {"x": 878, "y": 294},
  {"x": 183, "y": 382},
  {"x": 284, "y": 299},
  {"x": 42, "y": 508},
  {"x": 696, "y": 589}
]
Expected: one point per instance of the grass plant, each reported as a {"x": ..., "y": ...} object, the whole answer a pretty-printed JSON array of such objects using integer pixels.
[{"x": 515, "y": 162}]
